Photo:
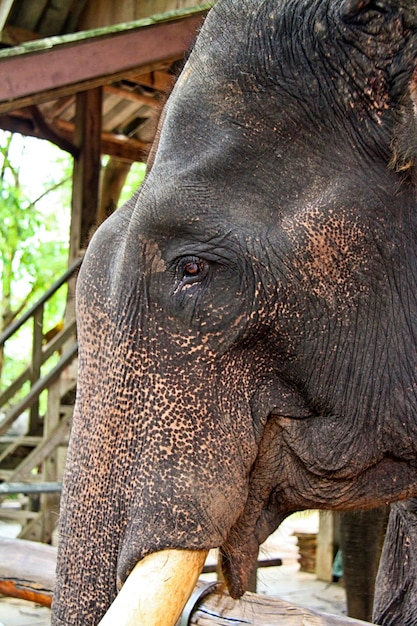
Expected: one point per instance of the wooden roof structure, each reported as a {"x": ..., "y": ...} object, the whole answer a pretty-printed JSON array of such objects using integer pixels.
[
  {"x": 134, "y": 62},
  {"x": 81, "y": 77}
]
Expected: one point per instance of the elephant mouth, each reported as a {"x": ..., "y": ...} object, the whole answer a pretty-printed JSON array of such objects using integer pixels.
[{"x": 157, "y": 589}]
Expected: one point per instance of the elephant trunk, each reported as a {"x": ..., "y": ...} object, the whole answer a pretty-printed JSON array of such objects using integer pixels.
[{"x": 157, "y": 589}]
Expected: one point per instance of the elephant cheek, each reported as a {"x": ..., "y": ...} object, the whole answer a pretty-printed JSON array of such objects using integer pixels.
[{"x": 193, "y": 516}]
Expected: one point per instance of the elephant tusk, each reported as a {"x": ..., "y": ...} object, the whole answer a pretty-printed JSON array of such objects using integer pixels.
[{"x": 157, "y": 589}]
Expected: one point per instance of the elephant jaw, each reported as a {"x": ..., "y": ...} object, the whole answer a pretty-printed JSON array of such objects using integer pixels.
[{"x": 157, "y": 589}]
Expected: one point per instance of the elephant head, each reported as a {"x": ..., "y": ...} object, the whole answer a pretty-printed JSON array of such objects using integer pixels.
[{"x": 248, "y": 321}]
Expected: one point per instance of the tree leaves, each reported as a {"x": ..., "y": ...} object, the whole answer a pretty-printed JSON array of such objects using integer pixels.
[{"x": 34, "y": 237}]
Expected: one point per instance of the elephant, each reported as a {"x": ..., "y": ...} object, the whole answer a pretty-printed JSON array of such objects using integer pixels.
[
  {"x": 396, "y": 584},
  {"x": 247, "y": 322},
  {"x": 362, "y": 536}
]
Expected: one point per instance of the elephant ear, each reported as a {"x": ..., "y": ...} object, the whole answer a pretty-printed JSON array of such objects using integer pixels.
[{"x": 363, "y": 11}]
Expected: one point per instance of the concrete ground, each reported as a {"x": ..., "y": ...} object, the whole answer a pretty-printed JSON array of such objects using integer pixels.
[{"x": 285, "y": 581}]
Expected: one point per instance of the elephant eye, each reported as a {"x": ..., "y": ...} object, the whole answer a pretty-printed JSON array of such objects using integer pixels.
[
  {"x": 194, "y": 268},
  {"x": 191, "y": 270}
]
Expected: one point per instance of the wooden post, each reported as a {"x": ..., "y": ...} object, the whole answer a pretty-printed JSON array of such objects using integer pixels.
[
  {"x": 34, "y": 421},
  {"x": 50, "y": 502},
  {"x": 86, "y": 175},
  {"x": 112, "y": 180},
  {"x": 326, "y": 541},
  {"x": 85, "y": 180}
]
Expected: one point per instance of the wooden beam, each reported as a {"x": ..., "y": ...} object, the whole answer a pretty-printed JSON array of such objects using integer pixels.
[
  {"x": 27, "y": 570},
  {"x": 13, "y": 36},
  {"x": 133, "y": 96},
  {"x": 217, "y": 608},
  {"x": 48, "y": 132},
  {"x": 83, "y": 64},
  {"x": 117, "y": 146},
  {"x": 157, "y": 80}
]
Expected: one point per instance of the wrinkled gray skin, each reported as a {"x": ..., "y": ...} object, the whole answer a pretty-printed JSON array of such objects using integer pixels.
[
  {"x": 361, "y": 538},
  {"x": 248, "y": 322},
  {"x": 396, "y": 595}
]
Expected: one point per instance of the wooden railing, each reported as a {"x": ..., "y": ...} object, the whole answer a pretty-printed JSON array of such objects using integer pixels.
[
  {"x": 40, "y": 354},
  {"x": 38, "y": 456}
]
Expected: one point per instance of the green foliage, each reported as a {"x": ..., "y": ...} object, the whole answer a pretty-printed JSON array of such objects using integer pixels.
[{"x": 35, "y": 191}]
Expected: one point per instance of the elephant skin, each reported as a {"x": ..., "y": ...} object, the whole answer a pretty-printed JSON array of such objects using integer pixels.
[
  {"x": 361, "y": 539},
  {"x": 396, "y": 583},
  {"x": 248, "y": 321}
]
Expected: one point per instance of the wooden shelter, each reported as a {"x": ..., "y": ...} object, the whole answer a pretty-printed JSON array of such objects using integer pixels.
[{"x": 95, "y": 84}]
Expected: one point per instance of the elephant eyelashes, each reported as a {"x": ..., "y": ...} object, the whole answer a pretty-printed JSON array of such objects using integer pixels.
[{"x": 191, "y": 270}]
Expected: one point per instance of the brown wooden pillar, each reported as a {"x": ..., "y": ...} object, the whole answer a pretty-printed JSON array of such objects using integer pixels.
[{"x": 86, "y": 174}]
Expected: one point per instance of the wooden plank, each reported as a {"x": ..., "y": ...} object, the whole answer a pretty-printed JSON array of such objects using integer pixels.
[
  {"x": 24, "y": 440},
  {"x": 34, "y": 393},
  {"x": 156, "y": 79},
  {"x": 54, "y": 345},
  {"x": 116, "y": 146},
  {"x": 61, "y": 107},
  {"x": 81, "y": 65},
  {"x": 119, "y": 115},
  {"x": 42, "y": 451},
  {"x": 13, "y": 36},
  {"x": 133, "y": 96},
  {"x": 218, "y": 609},
  {"x": 27, "y": 570},
  {"x": 50, "y": 501},
  {"x": 34, "y": 487},
  {"x": 18, "y": 515},
  {"x": 37, "y": 340}
]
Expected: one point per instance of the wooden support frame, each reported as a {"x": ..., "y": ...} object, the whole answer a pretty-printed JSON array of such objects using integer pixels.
[{"x": 86, "y": 174}]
